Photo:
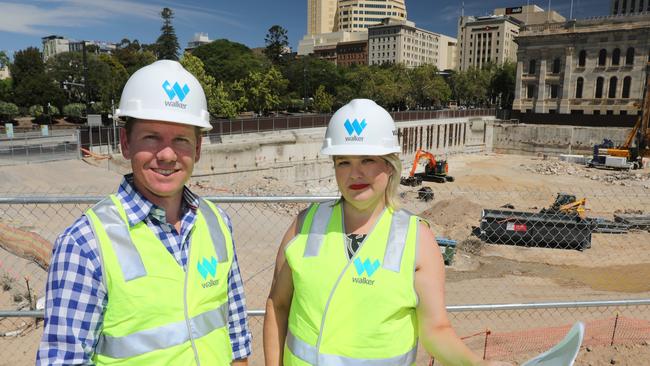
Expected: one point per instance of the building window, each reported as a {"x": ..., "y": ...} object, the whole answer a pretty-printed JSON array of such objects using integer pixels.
[
  {"x": 579, "y": 84},
  {"x": 582, "y": 58},
  {"x": 530, "y": 91},
  {"x": 627, "y": 83},
  {"x": 599, "y": 87},
  {"x": 616, "y": 57},
  {"x": 612, "y": 87},
  {"x": 602, "y": 57},
  {"x": 531, "y": 67},
  {"x": 554, "y": 91},
  {"x": 615, "y": 7},
  {"x": 556, "y": 66},
  {"x": 629, "y": 57}
]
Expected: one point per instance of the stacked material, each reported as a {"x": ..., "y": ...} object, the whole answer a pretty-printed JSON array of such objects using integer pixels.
[{"x": 634, "y": 221}]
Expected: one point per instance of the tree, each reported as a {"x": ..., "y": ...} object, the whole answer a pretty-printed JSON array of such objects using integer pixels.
[
  {"x": 219, "y": 103},
  {"x": 427, "y": 87},
  {"x": 228, "y": 61},
  {"x": 6, "y": 89},
  {"x": 503, "y": 84},
  {"x": 263, "y": 90},
  {"x": 7, "y": 111},
  {"x": 32, "y": 85},
  {"x": 323, "y": 101},
  {"x": 4, "y": 59},
  {"x": 167, "y": 43},
  {"x": 277, "y": 42},
  {"x": 132, "y": 55}
]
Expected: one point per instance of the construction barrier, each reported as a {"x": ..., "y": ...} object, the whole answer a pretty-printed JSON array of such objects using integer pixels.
[{"x": 615, "y": 267}]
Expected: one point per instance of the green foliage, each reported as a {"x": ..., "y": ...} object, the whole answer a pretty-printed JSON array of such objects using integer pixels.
[
  {"x": 6, "y": 89},
  {"x": 502, "y": 85},
  {"x": 167, "y": 43},
  {"x": 74, "y": 112},
  {"x": 8, "y": 111},
  {"x": 36, "y": 111},
  {"x": 323, "y": 101},
  {"x": 54, "y": 111},
  {"x": 99, "y": 108},
  {"x": 4, "y": 59},
  {"x": 132, "y": 56},
  {"x": 106, "y": 77},
  {"x": 307, "y": 73},
  {"x": 427, "y": 87},
  {"x": 263, "y": 90},
  {"x": 276, "y": 41},
  {"x": 219, "y": 103},
  {"x": 32, "y": 85},
  {"x": 228, "y": 61}
]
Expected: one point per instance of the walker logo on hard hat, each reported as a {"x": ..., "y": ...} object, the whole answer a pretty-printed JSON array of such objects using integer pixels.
[
  {"x": 208, "y": 267},
  {"x": 175, "y": 91},
  {"x": 355, "y": 127},
  {"x": 365, "y": 266}
]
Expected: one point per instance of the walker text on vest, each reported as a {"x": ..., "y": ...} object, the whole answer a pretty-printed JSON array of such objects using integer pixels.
[
  {"x": 209, "y": 283},
  {"x": 363, "y": 281}
]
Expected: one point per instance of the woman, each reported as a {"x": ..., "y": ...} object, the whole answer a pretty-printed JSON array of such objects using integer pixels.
[{"x": 357, "y": 280}]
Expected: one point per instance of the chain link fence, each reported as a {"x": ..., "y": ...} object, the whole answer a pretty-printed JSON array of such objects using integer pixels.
[
  {"x": 38, "y": 147},
  {"x": 503, "y": 244}
]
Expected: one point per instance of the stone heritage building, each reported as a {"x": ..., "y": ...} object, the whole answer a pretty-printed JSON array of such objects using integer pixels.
[{"x": 591, "y": 66}]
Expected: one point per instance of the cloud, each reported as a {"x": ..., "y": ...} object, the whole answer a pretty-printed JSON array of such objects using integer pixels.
[{"x": 38, "y": 17}]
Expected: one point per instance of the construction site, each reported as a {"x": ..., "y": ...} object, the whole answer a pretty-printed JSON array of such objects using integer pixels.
[{"x": 522, "y": 218}]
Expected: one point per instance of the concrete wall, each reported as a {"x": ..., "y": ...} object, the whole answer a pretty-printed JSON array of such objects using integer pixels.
[
  {"x": 295, "y": 154},
  {"x": 551, "y": 139}
]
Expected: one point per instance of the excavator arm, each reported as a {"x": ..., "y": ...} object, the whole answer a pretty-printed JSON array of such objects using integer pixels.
[{"x": 431, "y": 160}]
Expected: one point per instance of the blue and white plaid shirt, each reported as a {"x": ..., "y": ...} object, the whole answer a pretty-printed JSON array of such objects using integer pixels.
[{"x": 76, "y": 295}]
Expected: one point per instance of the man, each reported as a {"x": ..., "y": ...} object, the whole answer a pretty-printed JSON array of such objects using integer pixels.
[{"x": 149, "y": 275}]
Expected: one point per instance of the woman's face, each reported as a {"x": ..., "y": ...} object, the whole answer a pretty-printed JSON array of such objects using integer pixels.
[{"x": 362, "y": 180}]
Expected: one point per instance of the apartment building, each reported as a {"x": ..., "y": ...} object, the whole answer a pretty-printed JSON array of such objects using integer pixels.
[
  {"x": 401, "y": 42},
  {"x": 53, "y": 45},
  {"x": 333, "y": 21},
  {"x": 491, "y": 38}
]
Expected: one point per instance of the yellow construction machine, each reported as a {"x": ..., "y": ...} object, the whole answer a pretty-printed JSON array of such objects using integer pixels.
[{"x": 640, "y": 134}]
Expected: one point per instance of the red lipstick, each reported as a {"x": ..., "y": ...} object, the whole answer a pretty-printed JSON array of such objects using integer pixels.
[{"x": 357, "y": 187}]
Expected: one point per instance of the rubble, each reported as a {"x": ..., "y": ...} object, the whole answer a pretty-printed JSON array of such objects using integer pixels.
[{"x": 612, "y": 177}]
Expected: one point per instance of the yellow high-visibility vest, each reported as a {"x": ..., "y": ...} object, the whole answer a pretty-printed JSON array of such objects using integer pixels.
[
  {"x": 157, "y": 313},
  {"x": 358, "y": 311}
]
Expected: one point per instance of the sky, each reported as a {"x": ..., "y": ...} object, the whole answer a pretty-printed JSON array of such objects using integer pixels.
[{"x": 24, "y": 22}]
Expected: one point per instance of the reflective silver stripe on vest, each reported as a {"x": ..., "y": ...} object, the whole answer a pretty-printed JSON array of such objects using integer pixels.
[
  {"x": 319, "y": 224},
  {"x": 217, "y": 236},
  {"x": 162, "y": 337},
  {"x": 309, "y": 354},
  {"x": 118, "y": 234},
  {"x": 399, "y": 227}
]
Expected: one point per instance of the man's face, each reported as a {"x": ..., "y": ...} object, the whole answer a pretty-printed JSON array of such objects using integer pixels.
[{"x": 162, "y": 156}]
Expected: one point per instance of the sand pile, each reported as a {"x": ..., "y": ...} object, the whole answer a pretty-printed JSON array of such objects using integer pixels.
[{"x": 453, "y": 218}]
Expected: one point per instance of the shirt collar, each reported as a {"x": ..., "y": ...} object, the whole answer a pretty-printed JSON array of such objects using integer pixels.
[{"x": 138, "y": 208}]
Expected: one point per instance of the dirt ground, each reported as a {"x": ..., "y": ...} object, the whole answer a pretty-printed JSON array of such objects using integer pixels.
[{"x": 616, "y": 266}]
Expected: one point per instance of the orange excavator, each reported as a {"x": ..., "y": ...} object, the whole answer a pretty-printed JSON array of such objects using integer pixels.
[{"x": 434, "y": 170}]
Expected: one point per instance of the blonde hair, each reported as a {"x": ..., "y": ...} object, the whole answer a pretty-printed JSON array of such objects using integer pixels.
[{"x": 392, "y": 198}]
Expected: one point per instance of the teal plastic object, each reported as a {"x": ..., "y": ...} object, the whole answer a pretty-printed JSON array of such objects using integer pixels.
[{"x": 563, "y": 353}]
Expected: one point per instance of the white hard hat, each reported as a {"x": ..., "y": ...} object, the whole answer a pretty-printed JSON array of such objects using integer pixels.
[
  {"x": 361, "y": 127},
  {"x": 165, "y": 91}
]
